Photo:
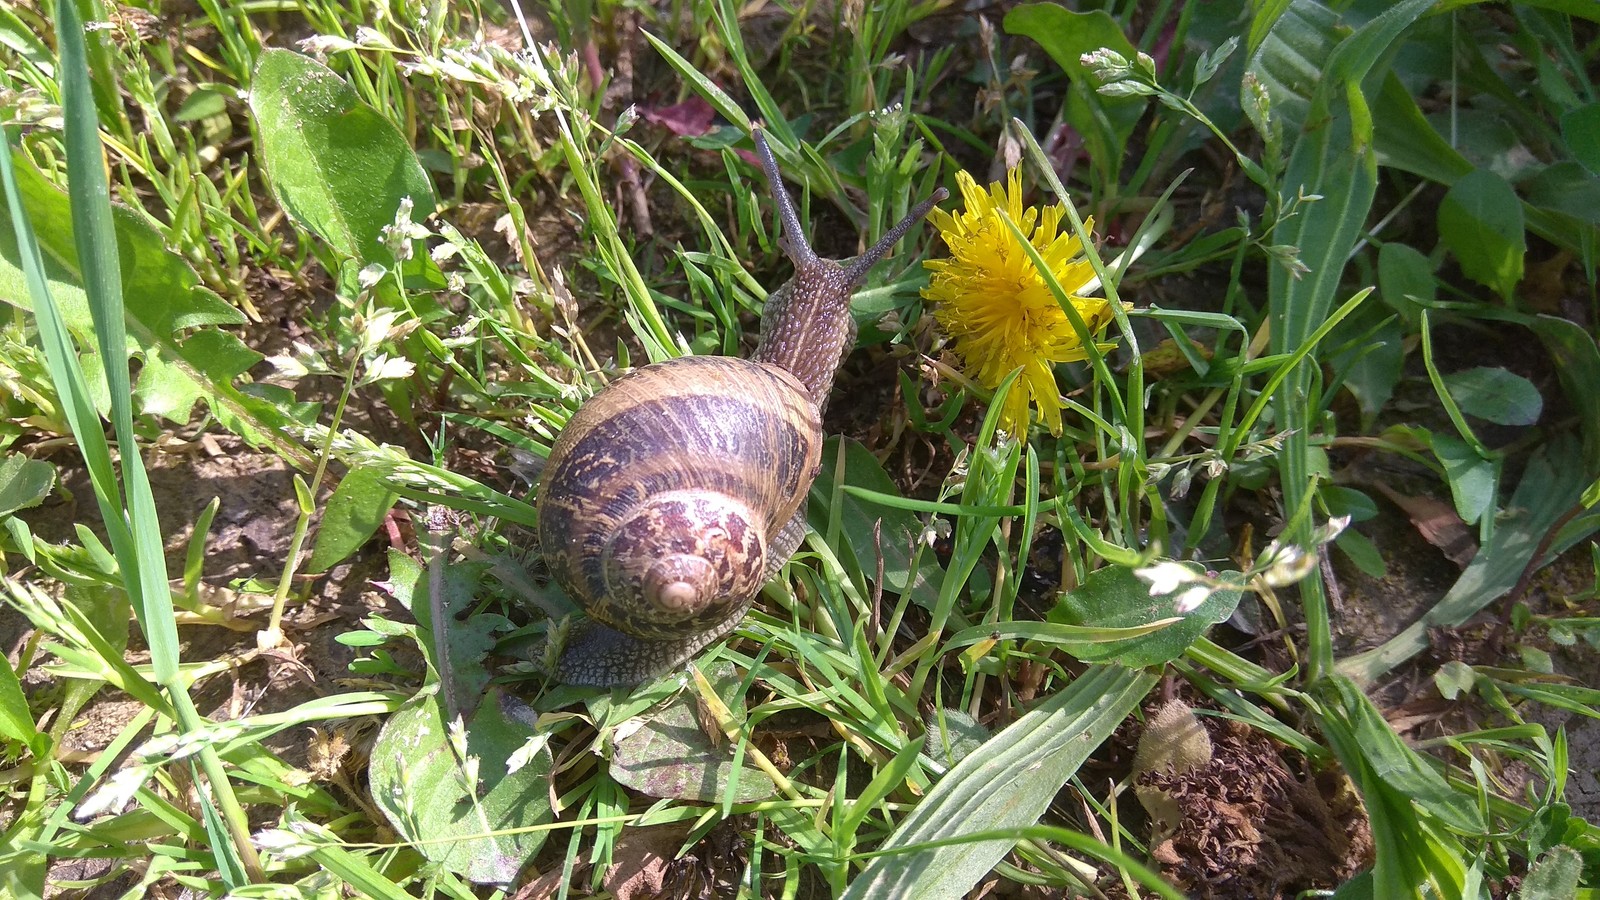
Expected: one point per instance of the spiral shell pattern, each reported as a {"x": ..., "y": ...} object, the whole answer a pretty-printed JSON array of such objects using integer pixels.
[{"x": 664, "y": 491}]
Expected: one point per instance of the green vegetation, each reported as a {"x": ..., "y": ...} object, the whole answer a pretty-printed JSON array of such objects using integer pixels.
[{"x": 1291, "y": 589}]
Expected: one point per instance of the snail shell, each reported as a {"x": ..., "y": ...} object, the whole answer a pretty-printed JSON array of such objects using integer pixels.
[{"x": 665, "y": 492}]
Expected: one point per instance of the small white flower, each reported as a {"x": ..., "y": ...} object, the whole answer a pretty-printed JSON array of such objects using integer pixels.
[
  {"x": 114, "y": 795},
  {"x": 1285, "y": 565},
  {"x": 936, "y": 530},
  {"x": 1167, "y": 576},
  {"x": 320, "y": 45},
  {"x": 526, "y": 753},
  {"x": 1190, "y": 600}
]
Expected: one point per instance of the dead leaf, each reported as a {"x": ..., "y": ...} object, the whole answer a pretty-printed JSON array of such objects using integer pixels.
[
  {"x": 691, "y": 118},
  {"x": 1438, "y": 524},
  {"x": 641, "y": 860}
]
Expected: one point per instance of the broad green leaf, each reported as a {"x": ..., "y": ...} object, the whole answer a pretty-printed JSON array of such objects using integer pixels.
[
  {"x": 204, "y": 102},
  {"x": 24, "y": 482},
  {"x": 351, "y": 516},
  {"x": 1360, "y": 550},
  {"x": 452, "y": 790},
  {"x": 1067, "y": 35},
  {"x": 1580, "y": 128},
  {"x": 1496, "y": 395},
  {"x": 1551, "y": 484},
  {"x": 211, "y": 357},
  {"x": 1104, "y": 122},
  {"x": 1554, "y": 877},
  {"x": 1409, "y": 142},
  {"x": 1576, "y": 359},
  {"x": 1480, "y": 221},
  {"x": 1371, "y": 371},
  {"x": 1454, "y": 678},
  {"x": 1345, "y": 501},
  {"x": 1007, "y": 782},
  {"x": 1405, "y": 276},
  {"x": 952, "y": 735},
  {"x": 1113, "y": 597},
  {"x": 1471, "y": 477},
  {"x": 335, "y": 164},
  {"x": 666, "y": 753},
  {"x": 467, "y": 638},
  {"x": 1565, "y": 188}
]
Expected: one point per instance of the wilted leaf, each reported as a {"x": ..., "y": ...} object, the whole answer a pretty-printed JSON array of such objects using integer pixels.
[{"x": 691, "y": 118}]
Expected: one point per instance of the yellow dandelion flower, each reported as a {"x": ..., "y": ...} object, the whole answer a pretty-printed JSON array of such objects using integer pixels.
[{"x": 992, "y": 301}]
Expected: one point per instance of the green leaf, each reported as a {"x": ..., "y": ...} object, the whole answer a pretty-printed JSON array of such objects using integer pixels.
[
  {"x": 1554, "y": 876},
  {"x": 1568, "y": 189},
  {"x": 1007, "y": 782},
  {"x": 16, "y": 720},
  {"x": 1359, "y": 549},
  {"x": 1113, "y": 597},
  {"x": 1405, "y": 276},
  {"x": 1494, "y": 394},
  {"x": 1454, "y": 678},
  {"x": 1407, "y": 801},
  {"x": 666, "y": 753},
  {"x": 1373, "y": 369},
  {"x": 21, "y": 40},
  {"x": 338, "y": 167},
  {"x": 451, "y": 789},
  {"x": 1104, "y": 122},
  {"x": 211, "y": 357},
  {"x": 1576, "y": 359},
  {"x": 24, "y": 482},
  {"x": 352, "y": 515},
  {"x": 467, "y": 639},
  {"x": 1067, "y": 35},
  {"x": 1480, "y": 221},
  {"x": 1471, "y": 477},
  {"x": 1580, "y": 128}
]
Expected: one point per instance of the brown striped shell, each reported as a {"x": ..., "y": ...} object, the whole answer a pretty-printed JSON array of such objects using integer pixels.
[{"x": 663, "y": 493}]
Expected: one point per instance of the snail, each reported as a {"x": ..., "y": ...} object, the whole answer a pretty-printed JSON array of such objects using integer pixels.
[{"x": 672, "y": 496}]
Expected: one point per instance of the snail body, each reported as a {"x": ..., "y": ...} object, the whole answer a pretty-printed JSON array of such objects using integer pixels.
[{"x": 675, "y": 494}]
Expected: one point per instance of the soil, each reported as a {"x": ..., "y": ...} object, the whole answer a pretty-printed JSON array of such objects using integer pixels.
[{"x": 249, "y": 539}]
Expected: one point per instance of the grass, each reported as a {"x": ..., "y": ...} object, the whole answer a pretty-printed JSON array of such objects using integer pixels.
[{"x": 392, "y": 250}]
